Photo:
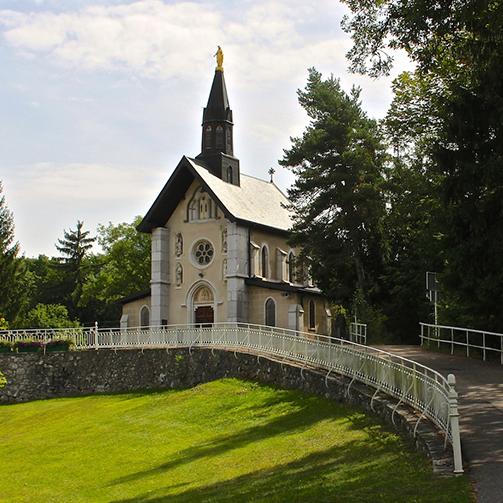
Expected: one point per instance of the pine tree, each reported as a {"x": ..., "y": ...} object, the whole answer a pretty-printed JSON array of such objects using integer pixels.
[
  {"x": 336, "y": 199},
  {"x": 75, "y": 247},
  {"x": 11, "y": 267}
]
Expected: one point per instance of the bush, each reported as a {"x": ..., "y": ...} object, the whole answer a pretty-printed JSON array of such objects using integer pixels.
[
  {"x": 5, "y": 347},
  {"x": 48, "y": 316},
  {"x": 28, "y": 346},
  {"x": 63, "y": 344}
]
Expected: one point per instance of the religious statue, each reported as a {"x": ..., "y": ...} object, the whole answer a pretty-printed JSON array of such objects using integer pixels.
[
  {"x": 220, "y": 59},
  {"x": 224, "y": 240},
  {"x": 179, "y": 245},
  {"x": 179, "y": 274}
]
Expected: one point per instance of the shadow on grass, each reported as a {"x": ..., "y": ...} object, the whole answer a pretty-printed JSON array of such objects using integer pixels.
[
  {"x": 307, "y": 413},
  {"x": 354, "y": 472}
]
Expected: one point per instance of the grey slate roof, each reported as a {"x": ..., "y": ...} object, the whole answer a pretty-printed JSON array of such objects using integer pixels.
[{"x": 255, "y": 200}]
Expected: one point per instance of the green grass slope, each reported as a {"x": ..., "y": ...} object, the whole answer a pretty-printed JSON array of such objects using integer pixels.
[{"x": 228, "y": 441}]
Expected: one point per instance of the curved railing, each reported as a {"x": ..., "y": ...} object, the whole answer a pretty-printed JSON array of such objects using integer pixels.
[{"x": 424, "y": 389}]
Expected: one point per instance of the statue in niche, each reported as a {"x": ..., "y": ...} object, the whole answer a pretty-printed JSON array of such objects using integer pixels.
[
  {"x": 179, "y": 244},
  {"x": 224, "y": 268},
  {"x": 179, "y": 274},
  {"x": 224, "y": 240}
]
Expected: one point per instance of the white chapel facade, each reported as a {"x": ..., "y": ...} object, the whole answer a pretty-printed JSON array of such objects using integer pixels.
[{"x": 220, "y": 249}]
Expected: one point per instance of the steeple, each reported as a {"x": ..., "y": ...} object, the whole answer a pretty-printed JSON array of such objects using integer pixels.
[{"x": 217, "y": 150}]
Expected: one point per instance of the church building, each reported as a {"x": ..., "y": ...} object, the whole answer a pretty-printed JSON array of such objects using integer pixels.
[{"x": 220, "y": 249}]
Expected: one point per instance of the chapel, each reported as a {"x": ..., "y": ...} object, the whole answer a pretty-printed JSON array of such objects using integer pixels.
[{"x": 220, "y": 249}]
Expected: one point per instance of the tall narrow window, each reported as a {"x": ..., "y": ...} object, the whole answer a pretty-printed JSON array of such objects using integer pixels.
[
  {"x": 207, "y": 136},
  {"x": 229, "y": 174},
  {"x": 312, "y": 314},
  {"x": 219, "y": 138},
  {"x": 144, "y": 317},
  {"x": 270, "y": 313},
  {"x": 265, "y": 262}
]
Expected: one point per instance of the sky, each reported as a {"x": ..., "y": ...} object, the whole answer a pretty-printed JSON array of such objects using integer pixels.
[{"x": 99, "y": 99}]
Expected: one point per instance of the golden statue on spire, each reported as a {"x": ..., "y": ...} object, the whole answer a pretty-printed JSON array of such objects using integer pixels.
[{"x": 220, "y": 59}]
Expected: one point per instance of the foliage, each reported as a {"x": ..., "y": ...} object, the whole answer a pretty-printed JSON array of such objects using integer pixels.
[
  {"x": 59, "y": 344},
  {"x": 456, "y": 95},
  {"x": 28, "y": 346},
  {"x": 5, "y": 346},
  {"x": 4, "y": 324},
  {"x": 75, "y": 247},
  {"x": 49, "y": 316},
  {"x": 228, "y": 441},
  {"x": 336, "y": 198},
  {"x": 3, "y": 380},
  {"x": 12, "y": 288},
  {"x": 122, "y": 269}
]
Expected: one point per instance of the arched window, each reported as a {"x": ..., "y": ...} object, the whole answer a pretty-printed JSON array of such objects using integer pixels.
[
  {"x": 291, "y": 267},
  {"x": 265, "y": 262},
  {"x": 219, "y": 139},
  {"x": 270, "y": 313},
  {"x": 144, "y": 317},
  {"x": 229, "y": 174},
  {"x": 312, "y": 314},
  {"x": 228, "y": 140},
  {"x": 201, "y": 206},
  {"x": 207, "y": 136}
]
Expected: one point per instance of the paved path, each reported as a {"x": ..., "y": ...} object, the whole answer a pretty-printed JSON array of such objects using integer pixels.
[{"x": 480, "y": 388}]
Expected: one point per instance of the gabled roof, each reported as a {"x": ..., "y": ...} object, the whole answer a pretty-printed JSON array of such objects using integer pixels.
[{"x": 255, "y": 202}]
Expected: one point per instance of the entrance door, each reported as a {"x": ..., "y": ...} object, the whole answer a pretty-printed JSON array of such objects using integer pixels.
[{"x": 204, "y": 316}]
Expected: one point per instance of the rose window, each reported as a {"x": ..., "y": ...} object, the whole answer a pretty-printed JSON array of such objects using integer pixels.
[{"x": 203, "y": 252}]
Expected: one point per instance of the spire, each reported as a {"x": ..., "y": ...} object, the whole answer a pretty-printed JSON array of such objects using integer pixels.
[
  {"x": 217, "y": 149},
  {"x": 218, "y": 108}
]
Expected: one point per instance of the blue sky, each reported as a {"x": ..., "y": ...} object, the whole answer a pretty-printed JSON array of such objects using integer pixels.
[{"x": 100, "y": 99}]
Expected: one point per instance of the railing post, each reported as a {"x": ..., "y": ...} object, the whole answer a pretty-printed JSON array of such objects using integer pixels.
[
  {"x": 454, "y": 419},
  {"x": 484, "y": 345},
  {"x": 96, "y": 341},
  {"x": 452, "y": 341},
  {"x": 467, "y": 344}
]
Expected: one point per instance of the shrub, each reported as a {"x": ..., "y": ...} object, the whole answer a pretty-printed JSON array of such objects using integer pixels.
[
  {"x": 48, "y": 316},
  {"x": 28, "y": 346},
  {"x": 5, "y": 347},
  {"x": 62, "y": 344}
]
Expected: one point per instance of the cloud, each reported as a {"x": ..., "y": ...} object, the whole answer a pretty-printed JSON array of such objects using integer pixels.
[
  {"x": 49, "y": 197},
  {"x": 265, "y": 40}
]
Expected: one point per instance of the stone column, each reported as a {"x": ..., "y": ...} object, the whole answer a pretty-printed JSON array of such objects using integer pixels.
[
  {"x": 159, "y": 282},
  {"x": 237, "y": 271}
]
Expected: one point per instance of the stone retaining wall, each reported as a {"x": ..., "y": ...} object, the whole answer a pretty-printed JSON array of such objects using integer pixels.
[{"x": 32, "y": 376}]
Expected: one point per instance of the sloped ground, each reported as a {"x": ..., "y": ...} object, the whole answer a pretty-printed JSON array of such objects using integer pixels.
[{"x": 227, "y": 440}]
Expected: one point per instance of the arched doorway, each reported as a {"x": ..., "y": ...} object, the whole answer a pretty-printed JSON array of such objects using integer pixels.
[{"x": 203, "y": 301}]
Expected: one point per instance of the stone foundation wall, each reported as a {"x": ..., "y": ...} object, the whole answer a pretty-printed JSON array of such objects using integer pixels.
[{"x": 33, "y": 376}]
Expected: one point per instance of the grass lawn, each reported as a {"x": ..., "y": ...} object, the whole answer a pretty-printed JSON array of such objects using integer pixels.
[{"x": 228, "y": 440}]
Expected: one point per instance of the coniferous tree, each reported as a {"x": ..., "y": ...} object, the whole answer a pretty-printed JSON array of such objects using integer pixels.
[
  {"x": 12, "y": 294},
  {"x": 75, "y": 247},
  {"x": 336, "y": 199}
]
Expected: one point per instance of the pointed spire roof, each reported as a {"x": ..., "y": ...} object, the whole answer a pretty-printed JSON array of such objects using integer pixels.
[{"x": 218, "y": 108}]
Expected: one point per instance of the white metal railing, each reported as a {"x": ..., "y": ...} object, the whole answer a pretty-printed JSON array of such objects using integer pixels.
[
  {"x": 358, "y": 332},
  {"x": 463, "y": 337},
  {"x": 411, "y": 383}
]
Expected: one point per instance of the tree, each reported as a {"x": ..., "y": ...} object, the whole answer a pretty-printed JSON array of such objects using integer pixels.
[
  {"x": 75, "y": 247},
  {"x": 122, "y": 269},
  {"x": 49, "y": 316},
  {"x": 12, "y": 291},
  {"x": 459, "y": 53},
  {"x": 336, "y": 199}
]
